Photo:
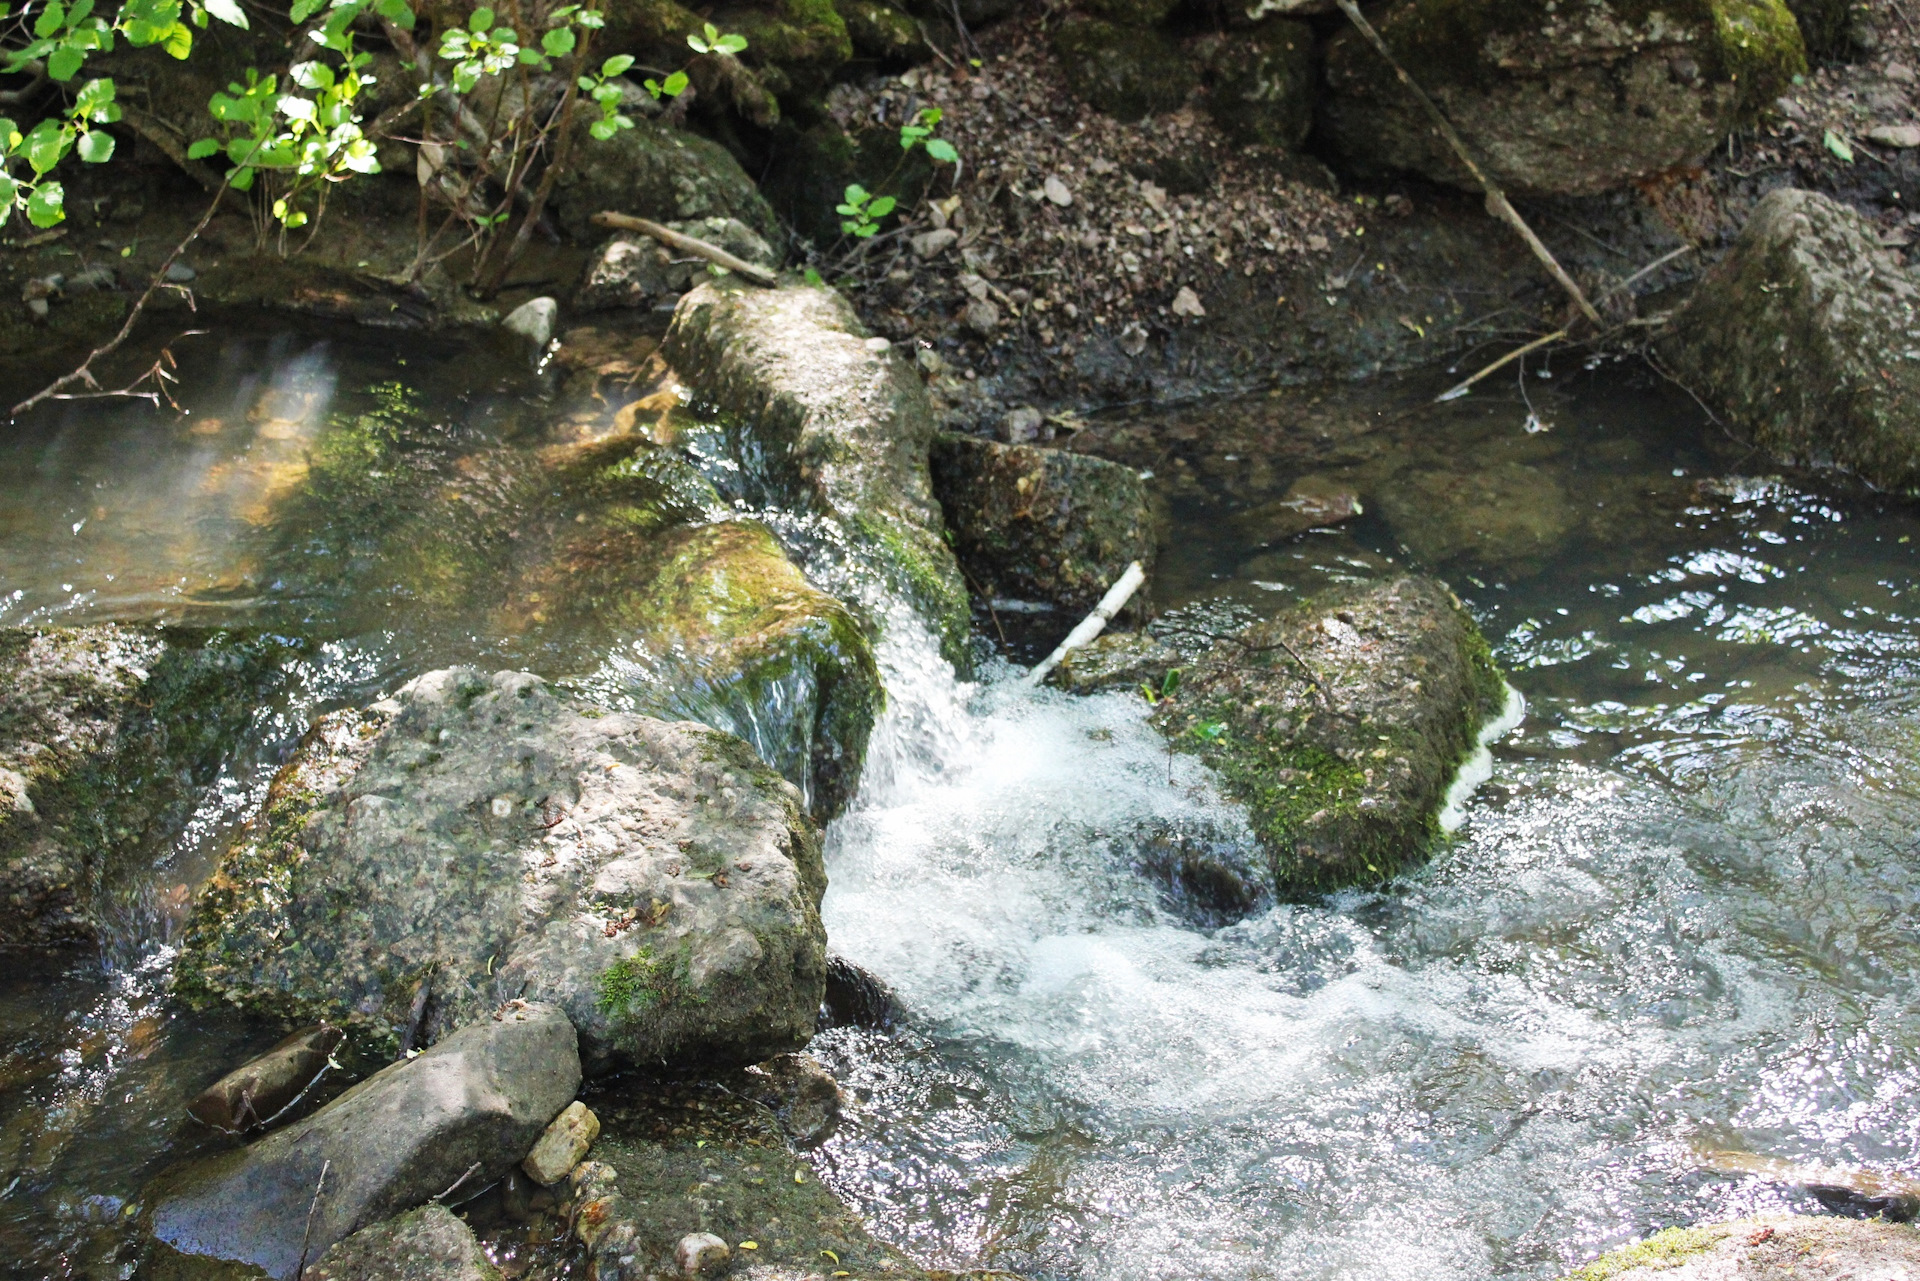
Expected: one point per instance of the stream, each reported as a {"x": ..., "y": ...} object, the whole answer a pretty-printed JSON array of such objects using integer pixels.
[{"x": 1677, "y": 918}]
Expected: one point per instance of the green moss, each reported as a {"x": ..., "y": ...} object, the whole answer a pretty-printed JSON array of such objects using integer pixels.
[
  {"x": 924, "y": 570},
  {"x": 635, "y": 985},
  {"x": 806, "y": 39},
  {"x": 1760, "y": 48},
  {"x": 1662, "y": 1250}
]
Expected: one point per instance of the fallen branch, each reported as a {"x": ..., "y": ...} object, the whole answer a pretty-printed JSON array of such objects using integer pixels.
[
  {"x": 1497, "y": 203},
  {"x": 84, "y": 374},
  {"x": 687, "y": 244},
  {"x": 306, "y": 1237},
  {"x": 1093, "y": 624}
]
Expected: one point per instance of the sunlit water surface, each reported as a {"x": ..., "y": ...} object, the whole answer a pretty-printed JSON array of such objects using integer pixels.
[{"x": 1678, "y": 917}]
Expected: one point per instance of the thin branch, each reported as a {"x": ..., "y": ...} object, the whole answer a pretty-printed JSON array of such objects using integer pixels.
[
  {"x": 84, "y": 374},
  {"x": 1461, "y": 388},
  {"x": 1497, "y": 203},
  {"x": 306, "y": 1237},
  {"x": 20, "y": 97},
  {"x": 688, "y": 244}
]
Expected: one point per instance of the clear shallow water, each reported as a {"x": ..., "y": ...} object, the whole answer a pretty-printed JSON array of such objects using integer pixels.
[{"x": 1680, "y": 917}]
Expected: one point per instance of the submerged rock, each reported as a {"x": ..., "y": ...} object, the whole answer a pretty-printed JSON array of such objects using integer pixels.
[
  {"x": 1509, "y": 516},
  {"x": 1851, "y": 1190},
  {"x": 256, "y": 1092},
  {"x": 476, "y": 839},
  {"x": 1311, "y": 502},
  {"x": 464, "y": 1112},
  {"x": 840, "y": 424},
  {"x": 1572, "y": 100},
  {"x": 1807, "y": 337},
  {"x": 107, "y": 735},
  {"x": 1339, "y": 725},
  {"x": 1041, "y": 524},
  {"x": 428, "y": 1244},
  {"x": 1116, "y": 660},
  {"x": 1765, "y": 1249}
]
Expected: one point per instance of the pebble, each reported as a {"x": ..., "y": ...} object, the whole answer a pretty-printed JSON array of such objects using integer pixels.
[
  {"x": 1187, "y": 303},
  {"x": 1022, "y": 425},
  {"x": 1057, "y": 191},
  {"x": 929, "y": 243},
  {"x": 179, "y": 273},
  {"x": 561, "y": 1147},
  {"x": 1901, "y": 136},
  {"x": 533, "y": 320},
  {"x": 700, "y": 1251}
]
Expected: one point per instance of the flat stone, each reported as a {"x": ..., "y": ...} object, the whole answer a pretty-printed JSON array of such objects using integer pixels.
[
  {"x": 477, "y": 839},
  {"x": 562, "y": 1146},
  {"x": 428, "y": 1244},
  {"x": 464, "y": 1111}
]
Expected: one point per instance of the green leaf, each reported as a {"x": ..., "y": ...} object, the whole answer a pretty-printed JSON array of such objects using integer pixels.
[
  {"x": 203, "y": 148},
  {"x": 51, "y": 19},
  {"x": 46, "y": 206},
  {"x": 242, "y": 180},
  {"x": 46, "y": 145},
  {"x": 590, "y": 19},
  {"x": 398, "y": 12},
  {"x": 942, "y": 150},
  {"x": 95, "y": 146},
  {"x": 95, "y": 102},
  {"x": 559, "y": 42},
  {"x": 228, "y": 11},
  {"x": 482, "y": 20},
  {"x": 1837, "y": 144},
  {"x": 178, "y": 40},
  {"x": 698, "y": 45},
  {"x": 676, "y": 84},
  {"x": 867, "y": 231},
  {"x": 304, "y": 9},
  {"x": 881, "y": 207},
  {"x": 616, "y": 65},
  {"x": 855, "y": 194},
  {"x": 65, "y": 62},
  {"x": 602, "y": 129},
  {"x": 713, "y": 32},
  {"x": 9, "y": 193},
  {"x": 731, "y": 43}
]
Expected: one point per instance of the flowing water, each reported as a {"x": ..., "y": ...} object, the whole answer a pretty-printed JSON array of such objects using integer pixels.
[{"x": 1678, "y": 917}]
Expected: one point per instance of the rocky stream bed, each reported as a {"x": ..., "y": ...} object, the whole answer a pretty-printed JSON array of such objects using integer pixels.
[{"x": 543, "y": 783}]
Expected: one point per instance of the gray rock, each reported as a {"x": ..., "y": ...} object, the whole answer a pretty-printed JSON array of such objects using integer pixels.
[
  {"x": 1806, "y": 336},
  {"x": 533, "y": 321},
  {"x": 1572, "y": 100},
  {"x": 635, "y": 270},
  {"x": 1339, "y": 725},
  {"x": 1263, "y": 84},
  {"x": 1127, "y": 72},
  {"x": 845, "y": 428},
  {"x": 466, "y": 1110},
  {"x": 1041, "y": 524},
  {"x": 476, "y": 839},
  {"x": 1116, "y": 660},
  {"x": 1774, "y": 1248},
  {"x": 107, "y": 735},
  {"x": 700, "y": 1252},
  {"x": 656, "y": 171},
  {"x": 428, "y": 1244}
]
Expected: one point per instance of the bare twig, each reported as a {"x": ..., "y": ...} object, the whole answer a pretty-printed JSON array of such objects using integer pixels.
[
  {"x": 688, "y": 244},
  {"x": 1461, "y": 388},
  {"x": 455, "y": 1185},
  {"x": 306, "y": 1237},
  {"x": 84, "y": 374},
  {"x": 1497, "y": 203}
]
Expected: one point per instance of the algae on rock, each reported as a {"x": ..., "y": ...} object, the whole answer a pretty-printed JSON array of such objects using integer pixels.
[
  {"x": 107, "y": 735},
  {"x": 477, "y": 839},
  {"x": 1126, "y": 72},
  {"x": 1339, "y": 724},
  {"x": 830, "y": 421},
  {"x": 1807, "y": 336}
]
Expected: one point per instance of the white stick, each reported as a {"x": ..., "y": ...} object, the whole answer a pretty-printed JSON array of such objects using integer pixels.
[{"x": 1093, "y": 624}]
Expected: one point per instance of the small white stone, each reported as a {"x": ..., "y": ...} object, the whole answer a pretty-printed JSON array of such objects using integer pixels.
[
  {"x": 1187, "y": 303},
  {"x": 502, "y": 807},
  {"x": 878, "y": 345},
  {"x": 533, "y": 320},
  {"x": 929, "y": 243},
  {"x": 700, "y": 1251},
  {"x": 1057, "y": 191},
  {"x": 562, "y": 1146}
]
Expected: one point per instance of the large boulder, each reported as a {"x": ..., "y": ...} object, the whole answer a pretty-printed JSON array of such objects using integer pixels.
[
  {"x": 1041, "y": 524},
  {"x": 1572, "y": 99},
  {"x": 1126, "y": 72},
  {"x": 1763, "y": 1249},
  {"x": 836, "y": 423},
  {"x": 1340, "y": 724},
  {"x": 107, "y": 735},
  {"x": 465, "y": 1111},
  {"x": 656, "y": 171},
  {"x": 428, "y": 1244},
  {"x": 477, "y": 839},
  {"x": 1806, "y": 336}
]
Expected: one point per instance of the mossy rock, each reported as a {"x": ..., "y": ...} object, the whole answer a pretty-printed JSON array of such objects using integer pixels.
[
  {"x": 108, "y": 734},
  {"x": 1773, "y": 1248},
  {"x": 806, "y": 40},
  {"x": 1041, "y": 524},
  {"x": 1128, "y": 73},
  {"x": 1803, "y": 336},
  {"x": 656, "y": 171},
  {"x": 1339, "y": 724},
  {"x": 882, "y": 33},
  {"x": 1571, "y": 100},
  {"x": 714, "y": 623},
  {"x": 1130, "y": 13},
  {"x": 1263, "y": 82},
  {"x": 831, "y": 421},
  {"x": 478, "y": 839}
]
